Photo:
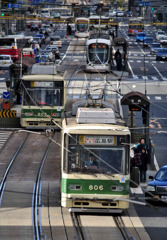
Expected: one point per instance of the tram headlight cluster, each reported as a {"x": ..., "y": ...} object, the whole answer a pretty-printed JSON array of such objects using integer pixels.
[
  {"x": 117, "y": 188},
  {"x": 27, "y": 114},
  {"x": 74, "y": 187},
  {"x": 55, "y": 114}
]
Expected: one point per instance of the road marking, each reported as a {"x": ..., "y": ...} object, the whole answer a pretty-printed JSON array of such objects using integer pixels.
[
  {"x": 154, "y": 78},
  {"x": 137, "y": 190},
  {"x": 153, "y": 123},
  {"x": 158, "y": 98}
]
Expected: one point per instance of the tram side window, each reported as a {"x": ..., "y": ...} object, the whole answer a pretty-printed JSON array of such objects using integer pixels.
[{"x": 57, "y": 97}]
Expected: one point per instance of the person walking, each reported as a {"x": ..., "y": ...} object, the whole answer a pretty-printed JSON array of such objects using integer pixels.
[
  {"x": 143, "y": 168},
  {"x": 118, "y": 59}
]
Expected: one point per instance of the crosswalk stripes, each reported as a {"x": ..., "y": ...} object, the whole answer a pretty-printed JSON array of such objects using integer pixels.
[
  {"x": 151, "y": 78},
  {"x": 3, "y": 137}
]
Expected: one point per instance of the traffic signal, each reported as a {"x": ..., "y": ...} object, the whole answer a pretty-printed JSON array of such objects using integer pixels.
[
  {"x": 2, "y": 14},
  {"x": 152, "y": 9}
]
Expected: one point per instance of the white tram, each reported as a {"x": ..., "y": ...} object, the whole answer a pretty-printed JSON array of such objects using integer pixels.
[
  {"x": 82, "y": 27},
  {"x": 104, "y": 185},
  {"x": 99, "y": 22},
  {"x": 98, "y": 53}
]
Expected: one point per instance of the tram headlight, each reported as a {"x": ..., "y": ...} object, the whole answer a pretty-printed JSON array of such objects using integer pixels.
[
  {"x": 28, "y": 114},
  {"x": 117, "y": 188},
  {"x": 55, "y": 114},
  {"x": 74, "y": 187}
]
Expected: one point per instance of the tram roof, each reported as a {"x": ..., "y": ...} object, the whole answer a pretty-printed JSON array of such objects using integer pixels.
[
  {"x": 70, "y": 125},
  {"x": 43, "y": 77},
  {"x": 100, "y": 35}
]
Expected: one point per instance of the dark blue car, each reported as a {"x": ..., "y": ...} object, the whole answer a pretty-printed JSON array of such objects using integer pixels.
[
  {"x": 161, "y": 54},
  {"x": 156, "y": 190},
  {"x": 148, "y": 41}
]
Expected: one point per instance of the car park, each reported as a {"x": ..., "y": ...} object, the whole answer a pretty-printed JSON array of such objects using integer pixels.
[
  {"x": 160, "y": 34},
  {"x": 154, "y": 48},
  {"x": 140, "y": 37},
  {"x": 163, "y": 40},
  {"x": 161, "y": 54},
  {"x": 5, "y": 60},
  {"x": 148, "y": 41},
  {"x": 56, "y": 40},
  {"x": 156, "y": 190}
]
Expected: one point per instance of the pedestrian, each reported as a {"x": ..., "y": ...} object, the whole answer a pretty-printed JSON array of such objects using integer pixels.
[
  {"x": 143, "y": 167},
  {"x": 136, "y": 160},
  {"x": 141, "y": 145},
  {"x": 69, "y": 29},
  {"x": 118, "y": 59},
  {"x": 135, "y": 163}
]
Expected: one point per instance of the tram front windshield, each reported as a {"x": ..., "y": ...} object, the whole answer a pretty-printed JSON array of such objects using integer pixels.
[
  {"x": 98, "y": 53},
  {"x": 96, "y": 158},
  {"x": 43, "y": 96},
  {"x": 82, "y": 27}
]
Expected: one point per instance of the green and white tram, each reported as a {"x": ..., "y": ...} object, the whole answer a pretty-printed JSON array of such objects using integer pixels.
[
  {"x": 43, "y": 99},
  {"x": 103, "y": 185}
]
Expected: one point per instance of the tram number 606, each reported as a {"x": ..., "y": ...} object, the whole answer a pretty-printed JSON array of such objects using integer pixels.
[{"x": 95, "y": 187}]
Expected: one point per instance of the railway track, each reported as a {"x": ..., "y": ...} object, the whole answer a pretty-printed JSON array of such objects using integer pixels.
[
  {"x": 111, "y": 227},
  {"x": 21, "y": 188}
]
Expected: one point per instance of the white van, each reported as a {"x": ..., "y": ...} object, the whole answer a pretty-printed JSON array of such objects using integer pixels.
[{"x": 5, "y": 60}]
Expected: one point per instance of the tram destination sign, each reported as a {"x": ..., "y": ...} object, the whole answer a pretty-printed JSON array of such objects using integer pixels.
[
  {"x": 41, "y": 84},
  {"x": 89, "y": 139}
]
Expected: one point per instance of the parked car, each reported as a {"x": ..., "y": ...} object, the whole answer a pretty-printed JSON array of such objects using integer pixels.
[
  {"x": 160, "y": 34},
  {"x": 53, "y": 49},
  {"x": 140, "y": 37},
  {"x": 5, "y": 59},
  {"x": 56, "y": 40},
  {"x": 148, "y": 41},
  {"x": 42, "y": 30},
  {"x": 57, "y": 15},
  {"x": 41, "y": 36},
  {"x": 47, "y": 52},
  {"x": 34, "y": 27},
  {"x": 120, "y": 14},
  {"x": 154, "y": 48},
  {"x": 156, "y": 190},
  {"x": 163, "y": 40},
  {"x": 161, "y": 54}
]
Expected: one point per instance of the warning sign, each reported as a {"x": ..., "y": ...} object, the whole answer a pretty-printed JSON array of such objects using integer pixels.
[{"x": 7, "y": 113}]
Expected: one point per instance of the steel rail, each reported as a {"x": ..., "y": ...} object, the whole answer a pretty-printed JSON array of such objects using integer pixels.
[
  {"x": 2, "y": 184},
  {"x": 123, "y": 230},
  {"x": 77, "y": 223},
  {"x": 36, "y": 200}
]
